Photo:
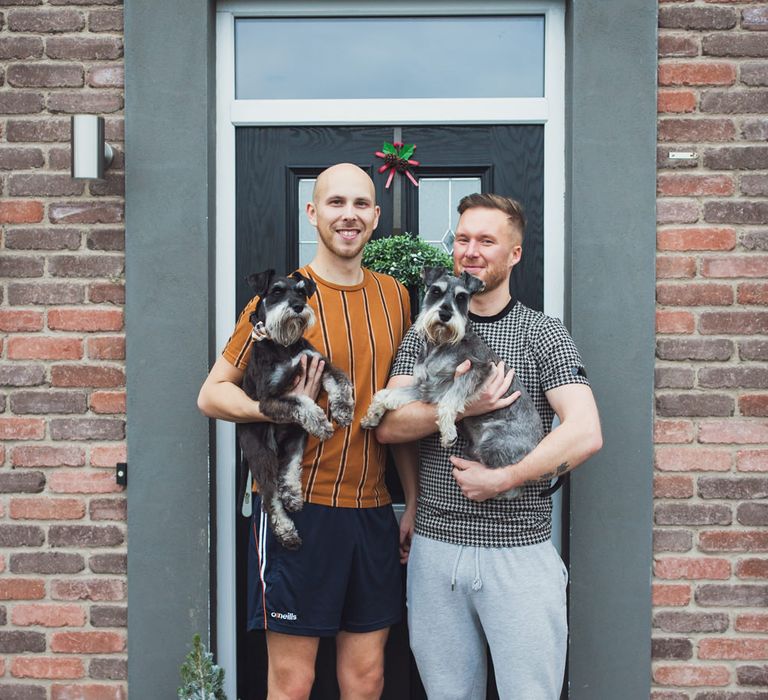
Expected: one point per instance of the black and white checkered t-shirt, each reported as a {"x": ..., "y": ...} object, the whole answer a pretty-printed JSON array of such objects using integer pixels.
[{"x": 543, "y": 356}]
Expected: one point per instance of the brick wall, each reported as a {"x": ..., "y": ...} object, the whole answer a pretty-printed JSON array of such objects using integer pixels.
[
  {"x": 710, "y": 623},
  {"x": 62, "y": 399}
]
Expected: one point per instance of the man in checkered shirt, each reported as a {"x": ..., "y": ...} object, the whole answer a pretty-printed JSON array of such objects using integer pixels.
[{"x": 482, "y": 570}]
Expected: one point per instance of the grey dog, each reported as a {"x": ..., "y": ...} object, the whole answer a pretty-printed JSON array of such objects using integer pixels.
[
  {"x": 273, "y": 451},
  {"x": 496, "y": 439}
]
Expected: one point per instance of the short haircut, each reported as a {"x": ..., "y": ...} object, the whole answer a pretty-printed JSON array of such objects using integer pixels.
[{"x": 511, "y": 207}]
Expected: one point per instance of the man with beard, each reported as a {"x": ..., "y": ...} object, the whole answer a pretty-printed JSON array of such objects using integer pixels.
[
  {"x": 344, "y": 581},
  {"x": 483, "y": 570}
]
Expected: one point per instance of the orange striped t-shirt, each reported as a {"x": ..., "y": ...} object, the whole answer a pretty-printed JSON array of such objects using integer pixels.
[{"x": 359, "y": 328}]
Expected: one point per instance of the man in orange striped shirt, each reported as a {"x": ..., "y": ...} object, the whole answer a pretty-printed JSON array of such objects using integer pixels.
[{"x": 345, "y": 579}]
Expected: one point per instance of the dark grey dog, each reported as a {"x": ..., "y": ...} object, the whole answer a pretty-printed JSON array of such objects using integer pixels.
[
  {"x": 273, "y": 451},
  {"x": 496, "y": 439}
]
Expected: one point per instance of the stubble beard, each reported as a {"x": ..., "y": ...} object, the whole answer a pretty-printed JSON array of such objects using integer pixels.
[
  {"x": 329, "y": 240},
  {"x": 492, "y": 279}
]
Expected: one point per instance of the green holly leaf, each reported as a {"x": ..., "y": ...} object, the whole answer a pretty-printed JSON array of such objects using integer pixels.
[
  {"x": 389, "y": 148},
  {"x": 407, "y": 151}
]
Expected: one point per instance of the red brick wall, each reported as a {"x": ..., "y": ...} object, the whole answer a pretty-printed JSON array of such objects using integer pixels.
[
  {"x": 710, "y": 623},
  {"x": 62, "y": 374}
]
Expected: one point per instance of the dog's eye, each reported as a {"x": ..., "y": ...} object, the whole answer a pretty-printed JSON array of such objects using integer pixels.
[
  {"x": 278, "y": 292},
  {"x": 434, "y": 292},
  {"x": 461, "y": 297}
]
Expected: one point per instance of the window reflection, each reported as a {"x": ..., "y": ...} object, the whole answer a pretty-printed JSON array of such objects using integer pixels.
[{"x": 389, "y": 57}]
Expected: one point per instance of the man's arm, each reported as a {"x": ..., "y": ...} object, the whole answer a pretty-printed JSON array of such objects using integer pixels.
[
  {"x": 576, "y": 439},
  {"x": 406, "y": 458},
  {"x": 408, "y": 423},
  {"x": 221, "y": 396},
  {"x": 417, "y": 420}
]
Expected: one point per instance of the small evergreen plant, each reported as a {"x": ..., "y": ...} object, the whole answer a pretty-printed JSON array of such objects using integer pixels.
[
  {"x": 201, "y": 678},
  {"x": 404, "y": 257}
]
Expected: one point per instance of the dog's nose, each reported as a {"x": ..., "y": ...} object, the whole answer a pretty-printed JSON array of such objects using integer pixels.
[
  {"x": 298, "y": 308},
  {"x": 445, "y": 316}
]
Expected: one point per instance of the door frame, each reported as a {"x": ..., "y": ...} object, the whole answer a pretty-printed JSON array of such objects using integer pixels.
[
  {"x": 170, "y": 136},
  {"x": 231, "y": 113}
]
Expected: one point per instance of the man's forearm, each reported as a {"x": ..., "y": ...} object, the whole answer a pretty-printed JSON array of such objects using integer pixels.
[
  {"x": 564, "y": 449},
  {"x": 227, "y": 401},
  {"x": 406, "y": 458},
  {"x": 409, "y": 423}
]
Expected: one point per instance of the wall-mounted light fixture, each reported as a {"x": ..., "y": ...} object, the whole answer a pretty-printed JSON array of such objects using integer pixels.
[{"x": 91, "y": 154}]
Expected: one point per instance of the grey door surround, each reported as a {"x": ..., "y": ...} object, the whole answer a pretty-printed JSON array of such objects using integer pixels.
[{"x": 170, "y": 159}]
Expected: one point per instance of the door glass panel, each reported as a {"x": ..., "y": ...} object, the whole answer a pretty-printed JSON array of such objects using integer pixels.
[
  {"x": 438, "y": 199},
  {"x": 307, "y": 233},
  {"x": 389, "y": 57}
]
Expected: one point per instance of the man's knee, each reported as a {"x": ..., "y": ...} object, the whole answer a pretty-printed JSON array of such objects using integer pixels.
[
  {"x": 364, "y": 678},
  {"x": 289, "y": 681}
]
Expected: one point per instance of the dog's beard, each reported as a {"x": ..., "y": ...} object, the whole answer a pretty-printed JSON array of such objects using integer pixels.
[
  {"x": 436, "y": 331},
  {"x": 285, "y": 326}
]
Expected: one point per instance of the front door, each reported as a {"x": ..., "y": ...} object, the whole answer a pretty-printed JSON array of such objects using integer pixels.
[{"x": 275, "y": 172}]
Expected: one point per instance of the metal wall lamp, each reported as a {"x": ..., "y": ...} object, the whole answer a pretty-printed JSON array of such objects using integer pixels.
[{"x": 91, "y": 154}]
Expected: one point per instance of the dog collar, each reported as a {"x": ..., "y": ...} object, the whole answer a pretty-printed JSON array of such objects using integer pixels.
[{"x": 259, "y": 332}]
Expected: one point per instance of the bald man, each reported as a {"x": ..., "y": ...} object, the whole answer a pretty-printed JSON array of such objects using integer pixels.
[{"x": 344, "y": 581}]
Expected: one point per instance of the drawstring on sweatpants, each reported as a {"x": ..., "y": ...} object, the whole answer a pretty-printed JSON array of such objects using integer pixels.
[
  {"x": 477, "y": 583},
  {"x": 456, "y": 567}
]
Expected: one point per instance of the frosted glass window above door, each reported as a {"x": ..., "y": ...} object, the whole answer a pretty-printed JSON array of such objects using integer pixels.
[{"x": 389, "y": 57}]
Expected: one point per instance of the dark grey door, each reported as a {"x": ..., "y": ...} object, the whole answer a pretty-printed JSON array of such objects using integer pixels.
[{"x": 275, "y": 167}]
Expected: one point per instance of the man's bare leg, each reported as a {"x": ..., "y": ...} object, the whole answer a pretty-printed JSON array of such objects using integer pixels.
[
  {"x": 360, "y": 664},
  {"x": 291, "y": 666}
]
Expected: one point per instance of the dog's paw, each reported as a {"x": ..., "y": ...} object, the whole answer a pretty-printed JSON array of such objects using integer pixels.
[
  {"x": 316, "y": 423},
  {"x": 321, "y": 429},
  {"x": 342, "y": 413},
  {"x": 290, "y": 540},
  {"x": 448, "y": 436},
  {"x": 371, "y": 419},
  {"x": 284, "y": 529}
]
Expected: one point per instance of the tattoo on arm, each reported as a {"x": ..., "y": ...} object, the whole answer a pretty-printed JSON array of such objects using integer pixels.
[{"x": 562, "y": 469}]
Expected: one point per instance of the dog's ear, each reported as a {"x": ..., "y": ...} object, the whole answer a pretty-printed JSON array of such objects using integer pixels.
[
  {"x": 310, "y": 287},
  {"x": 430, "y": 274},
  {"x": 472, "y": 283},
  {"x": 260, "y": 281}
]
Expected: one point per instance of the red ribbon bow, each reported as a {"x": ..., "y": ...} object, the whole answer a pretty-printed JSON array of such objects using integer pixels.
[{"x": 397, "y": 159}]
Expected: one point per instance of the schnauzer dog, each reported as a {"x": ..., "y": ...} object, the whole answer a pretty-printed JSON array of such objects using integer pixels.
[
  {"x": 273, "y": 451},
  {"x": 496, "y": 439}
]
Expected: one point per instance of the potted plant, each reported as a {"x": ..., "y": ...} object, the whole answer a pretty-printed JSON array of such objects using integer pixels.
[
  {"x": 201, "y": 678},
  {"x": 404, "y": 257}
]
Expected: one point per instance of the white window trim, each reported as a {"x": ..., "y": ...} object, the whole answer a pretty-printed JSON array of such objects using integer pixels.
[
  {"x": 497, "y": 110},
  {"x": 549, "y": 111}
]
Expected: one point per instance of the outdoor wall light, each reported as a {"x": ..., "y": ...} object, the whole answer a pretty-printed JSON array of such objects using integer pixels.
[{"x": 91, "y": 155}]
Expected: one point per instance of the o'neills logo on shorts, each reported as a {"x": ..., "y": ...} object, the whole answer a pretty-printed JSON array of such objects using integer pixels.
[{"x": 283, "y": 616}]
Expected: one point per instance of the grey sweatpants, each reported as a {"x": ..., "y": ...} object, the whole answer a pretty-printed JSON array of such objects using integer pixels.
[{"x": 513, "y": 598}]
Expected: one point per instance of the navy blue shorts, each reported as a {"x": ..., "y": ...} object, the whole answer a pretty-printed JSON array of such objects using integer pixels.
[{"x": 345, "y": 576}]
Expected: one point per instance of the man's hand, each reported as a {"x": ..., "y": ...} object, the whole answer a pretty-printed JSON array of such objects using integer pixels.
[
  {"x": 492, "y": 393},
  {"x": 476, "y": 481},
  {"x": 407, "y": 521},
  {"x": 307, "y": 382}
]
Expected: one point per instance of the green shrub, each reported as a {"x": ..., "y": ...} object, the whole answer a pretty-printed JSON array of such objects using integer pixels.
[
  {"x": 404, "y": 257},
  {"x": 201, "y": 678}
]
